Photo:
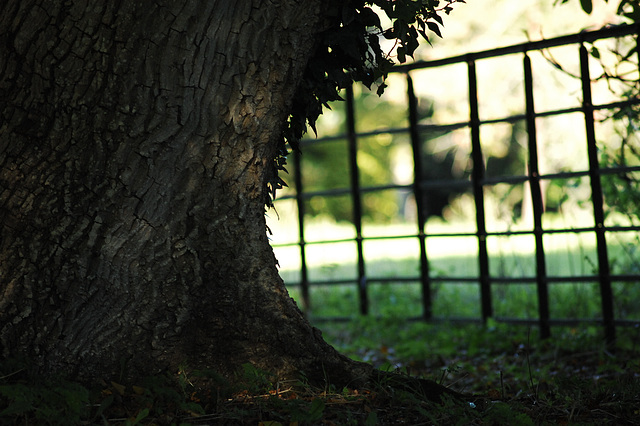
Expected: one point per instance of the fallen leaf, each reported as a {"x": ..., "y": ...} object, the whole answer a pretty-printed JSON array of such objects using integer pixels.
[{"x": 120, "y": 388}]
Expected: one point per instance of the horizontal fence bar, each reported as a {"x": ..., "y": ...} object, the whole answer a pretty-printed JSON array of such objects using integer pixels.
[
  {"x": 467, "y": 234},
  {"x": 460, "y": 184},
  {"x": 595, "y": 322},
  {"x": 557, "y": 280},
  {"x": 465, "y": 124},
  {"x": 585, "y": 36}
]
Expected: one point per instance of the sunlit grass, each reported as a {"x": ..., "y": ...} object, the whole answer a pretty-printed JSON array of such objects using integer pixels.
[{"x": 510, "y": 258}]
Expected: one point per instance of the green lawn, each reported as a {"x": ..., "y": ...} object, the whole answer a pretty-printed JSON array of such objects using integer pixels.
[{"x": 513, "y": 257}]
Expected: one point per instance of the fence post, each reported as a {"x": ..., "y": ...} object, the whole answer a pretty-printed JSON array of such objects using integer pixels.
[
  {"x": 537, "y": 202},
  {"x": 418, "y": 193},
  {"x": 597, "y": 199},
  {"x": 355, "y": 197},
  {"x": 304, "y": 277},
  {"x": 478, "y": 193}
]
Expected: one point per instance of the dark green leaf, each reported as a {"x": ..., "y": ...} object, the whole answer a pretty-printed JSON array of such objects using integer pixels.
[
  {"x": 369, "y": 18},
  {"x": 434, "y": 27},
  {"x": 381, "y": 88},
  {"x": 348, "y": 14},
  {"x": 587, "y": 6},
  {"x": 402, "y": 55},
  {"x": 424, "y": 35},
  {"x": 317, "y": 407}
]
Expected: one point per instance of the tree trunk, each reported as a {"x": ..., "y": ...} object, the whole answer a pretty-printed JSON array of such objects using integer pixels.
[{"x": 135, "y": 139}]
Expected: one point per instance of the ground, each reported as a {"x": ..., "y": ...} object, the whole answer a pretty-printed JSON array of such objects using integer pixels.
[{"x": 508, "y": 375}]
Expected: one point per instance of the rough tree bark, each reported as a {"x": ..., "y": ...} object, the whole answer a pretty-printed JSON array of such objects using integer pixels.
[{"x": 135, "y": 140}]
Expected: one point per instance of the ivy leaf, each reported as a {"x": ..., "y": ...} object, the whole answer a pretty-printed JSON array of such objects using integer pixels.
[
  {"x": 348, "y": 14},
  {"x": 312, "y": 124},
  {"x": 118, "y": 387},
  {"x": 587, "y": 6},
  {"x": 389, "y": 34},
  {"x": 381, "y": 88},
  {"x": 402, "y": 55},
  {"x": 434, "y": 27},
  {"x": 400, "y": 30},
  {"x": 424, "y": 35},
  {"x": 316, "y": 409},
  {"x": 411, "y": 43},
  {"x": 369, "y": 18}
]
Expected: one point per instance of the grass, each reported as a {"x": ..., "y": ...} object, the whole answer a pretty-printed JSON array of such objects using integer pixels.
[
  {"x": 571, "y": 379},
  {"x": 567, "y": 255}
]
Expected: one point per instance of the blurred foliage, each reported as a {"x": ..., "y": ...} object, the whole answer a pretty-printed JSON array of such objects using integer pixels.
[
  {"x": 623, "y": 79},
  {"x": 628, "y": 9},
  {"x": 326, "y": 164},
  {"x": 621, "y": 190}
]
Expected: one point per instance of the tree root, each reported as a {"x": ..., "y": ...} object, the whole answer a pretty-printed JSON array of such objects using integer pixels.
[{"x": 423, "y": 388}]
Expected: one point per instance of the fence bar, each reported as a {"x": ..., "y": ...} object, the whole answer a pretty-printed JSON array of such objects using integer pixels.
[
  {"x": 537, "y": 203},
  {"x": 588, "y": 36},
  {"x": 304, "y": 277},
  {"x": 352, "y": 140},
  {"x": 597, "y": 199},
  {"x": 416, "y": 145},
  {"x": 478, "y": 193},
  {"x": 454, "y": 126},
  {"x": 637, "y": 46}
]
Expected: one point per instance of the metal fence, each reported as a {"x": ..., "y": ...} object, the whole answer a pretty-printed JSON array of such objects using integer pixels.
[{"x": 478, "y": 182}]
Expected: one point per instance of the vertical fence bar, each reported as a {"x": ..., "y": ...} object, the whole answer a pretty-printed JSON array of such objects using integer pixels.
[
  {"x": 638, "y": 46},
  {"x": 537, "y": 202},
  {"x": 606, "y": 294},
  {"x": 478, "y": 193},
  {"x": 418, "y": 193},
  {"x": 356, "y": 199},
  {"x": 304, "y": 277}
]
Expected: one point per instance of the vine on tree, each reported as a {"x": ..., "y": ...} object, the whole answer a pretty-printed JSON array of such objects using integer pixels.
[{"x": 348, "y": 50}]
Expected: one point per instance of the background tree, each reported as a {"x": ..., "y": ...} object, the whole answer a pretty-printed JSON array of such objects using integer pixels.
[
  {"x": 325, "y": 165},
  {"x": 139, "y": 144}
]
